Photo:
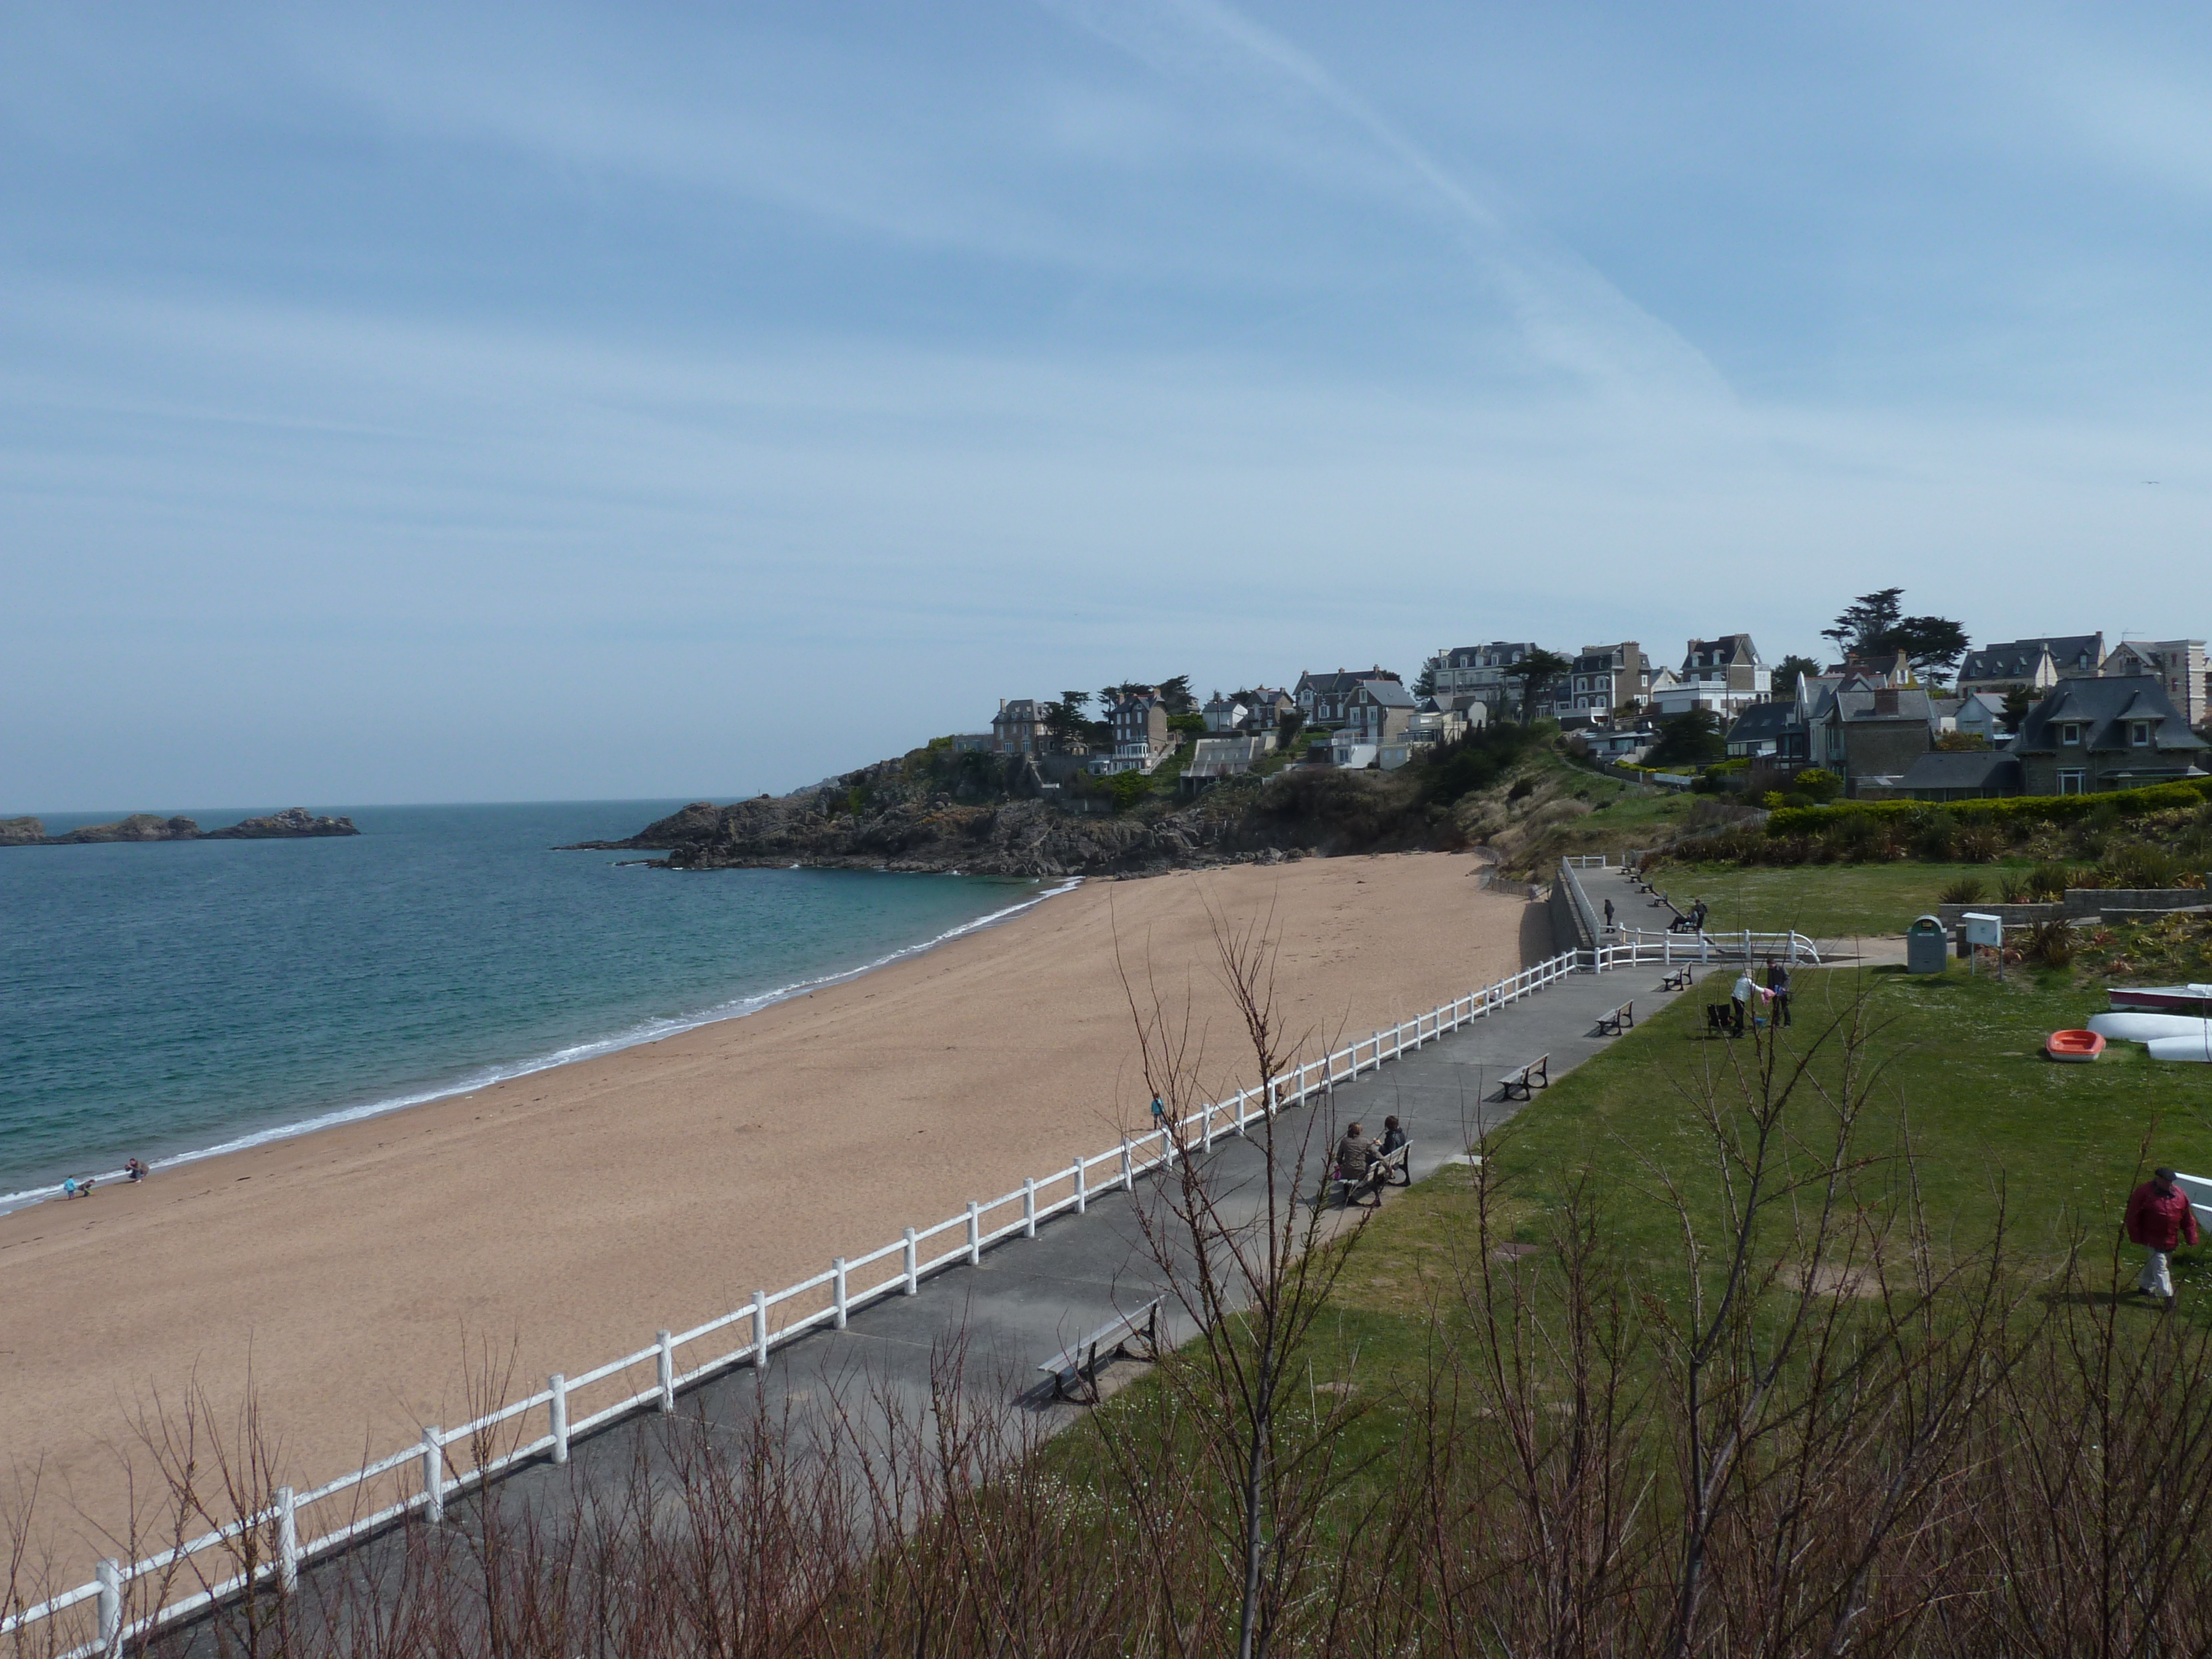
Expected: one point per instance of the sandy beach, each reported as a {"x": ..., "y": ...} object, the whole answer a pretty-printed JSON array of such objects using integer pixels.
[{"x": 565, "y": 1216}]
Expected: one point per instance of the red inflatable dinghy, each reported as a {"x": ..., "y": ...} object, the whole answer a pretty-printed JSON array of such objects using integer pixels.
[{"x": 2074, "y": 1045}]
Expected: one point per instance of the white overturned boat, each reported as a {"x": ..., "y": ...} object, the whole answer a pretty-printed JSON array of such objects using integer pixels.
[
  {"x": 2198, "y": 1047},
  {"x": 2128, "y": 1026}
]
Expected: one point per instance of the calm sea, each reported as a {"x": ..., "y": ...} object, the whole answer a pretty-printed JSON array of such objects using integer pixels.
[{"x": 166, "y": 1000}]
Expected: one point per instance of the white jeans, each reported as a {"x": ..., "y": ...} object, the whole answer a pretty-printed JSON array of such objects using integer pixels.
[{"x": 2156, "y": 1277}]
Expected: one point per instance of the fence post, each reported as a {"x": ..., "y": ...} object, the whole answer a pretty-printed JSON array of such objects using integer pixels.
[
  {"x": 974, "y": 1235},
  {"x": 913, "y": 1273},
  {"x": 288, "y": 1540},
  {"x": 665, "y": 1369},
  {"x": 1029, "y": 1207},
  {"x": 838, "y": 1267},
  {"x": 433, "y": 1476},
  {"x": 1081, "y": 1195},
  {"x": 760, "y": 1330},
  {"x": 110, "y": 1575},
  {"x": 557, "y": 1409},
  {"x": 1205, "y": 1129},
  {"x": 1129, "y": 1182}
]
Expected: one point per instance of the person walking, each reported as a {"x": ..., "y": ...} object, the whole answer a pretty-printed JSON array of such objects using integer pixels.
[
  {"x": 1609, "y": 915},
  {"x": 2161, "y": 1219},
  {"x": 1777, "y": 986}
]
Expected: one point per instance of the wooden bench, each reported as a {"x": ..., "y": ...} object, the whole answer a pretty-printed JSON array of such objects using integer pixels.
[
  {"x": 1391, "y": 1169},
  {"x": 1620, "y": 1019},
  {"x": 1679, "y": 980},
  {"x": 1520, "y": 1084},
  {"x": 1078, "y": 1362}
]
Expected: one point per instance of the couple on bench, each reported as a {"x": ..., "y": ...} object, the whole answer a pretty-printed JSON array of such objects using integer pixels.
[{"x": 1362, "y": 1165}]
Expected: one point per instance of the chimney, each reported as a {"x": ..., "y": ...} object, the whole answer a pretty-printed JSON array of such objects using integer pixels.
[{"x": 1885, "y": 700}]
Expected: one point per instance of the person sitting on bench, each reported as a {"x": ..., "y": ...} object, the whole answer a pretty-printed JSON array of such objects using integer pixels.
[
  {"x": 1355, "y": 1166},
  {"x": 1393, "y": 1137}
]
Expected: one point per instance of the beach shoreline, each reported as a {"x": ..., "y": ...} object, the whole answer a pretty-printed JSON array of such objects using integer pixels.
[
  {"x": 558, "y": 1218},
  {"x": 483, "y": 1076}
]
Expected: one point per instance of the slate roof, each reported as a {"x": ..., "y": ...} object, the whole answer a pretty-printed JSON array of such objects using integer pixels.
[
  {"x": 1911, "y": 704},
  {"x": 1762, "y": 721},
  {"x": 2015, "y": 660},
  {"x": 1964, "y": 769},
  {"x": 1388, "y": 693},
  {"x": 2104, "y": 707}
]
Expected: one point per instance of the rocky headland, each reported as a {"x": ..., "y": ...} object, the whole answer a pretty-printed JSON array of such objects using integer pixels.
[
  {"x": 294, "y": 824},
  {"x": 1510, "y": 791}
]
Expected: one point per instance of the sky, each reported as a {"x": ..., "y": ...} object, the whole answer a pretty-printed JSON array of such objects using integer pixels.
[{"x": 415, "y": 404}]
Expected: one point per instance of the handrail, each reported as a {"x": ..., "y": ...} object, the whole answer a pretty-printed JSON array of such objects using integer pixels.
[{"x": 1135, "y": 1155}]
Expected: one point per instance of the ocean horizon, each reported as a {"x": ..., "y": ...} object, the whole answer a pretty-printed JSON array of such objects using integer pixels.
[{"x": 176, "y": 1000}]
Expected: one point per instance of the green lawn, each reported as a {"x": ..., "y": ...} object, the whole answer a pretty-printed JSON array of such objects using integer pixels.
[
  {"x": 1821, "y": 901},
  {"x": 1962, "y": 1077}
]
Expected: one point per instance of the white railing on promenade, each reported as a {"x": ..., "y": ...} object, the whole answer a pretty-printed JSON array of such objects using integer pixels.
[
  {"x": 1625, "y": 945},
  {"x": 431, "y": 1468}
]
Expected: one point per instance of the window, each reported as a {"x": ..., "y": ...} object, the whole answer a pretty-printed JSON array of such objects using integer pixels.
[
  {"x": 2139, "y": 734},
  {"x": 2072, "y": 783},
  {"x": 2069, "y": 734}
]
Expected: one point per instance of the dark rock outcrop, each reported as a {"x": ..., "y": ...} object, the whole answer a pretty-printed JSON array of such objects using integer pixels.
[
  {"x": 139, "y": 826},
  {"x": 1031, "y": 838},
  {"x": 292, "y": 823}
]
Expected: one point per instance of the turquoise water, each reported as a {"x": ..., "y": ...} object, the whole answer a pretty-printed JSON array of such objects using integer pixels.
[{"x": 168, "y": 999}]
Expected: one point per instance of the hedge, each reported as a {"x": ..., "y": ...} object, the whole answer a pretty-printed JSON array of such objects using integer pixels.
[{"x": 2013, "y": 809}]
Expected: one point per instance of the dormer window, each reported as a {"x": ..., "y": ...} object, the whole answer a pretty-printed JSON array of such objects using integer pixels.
[
  {"x": 2139, "y": 733},
  {"x": 2069, "y": 734}
]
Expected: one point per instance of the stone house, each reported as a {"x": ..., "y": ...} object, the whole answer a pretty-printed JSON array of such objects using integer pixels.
[
  {"x": 1479, "y": 671},
  {"x": 1870, "y": 738},
  {"x": 1018, "y": 728},
  {"x": 2178, "y": 666},
  {"x": 1141, "y": 738},
  {"x": 1325, "y": 700},
  {"x": 1377, "y": 712},
  {"x": 2118, "y": 732},
  {"x": 1604, "y": 676},
  {"x": 1726, "y": 675}
]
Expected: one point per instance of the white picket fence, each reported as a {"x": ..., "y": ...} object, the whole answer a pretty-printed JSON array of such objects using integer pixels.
[{"x": 896, "y": 1268}]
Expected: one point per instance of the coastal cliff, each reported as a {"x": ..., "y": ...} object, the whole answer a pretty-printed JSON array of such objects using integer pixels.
[
  {"x": 1513, "y": 790},
  {"x": 294, "y": 824}
]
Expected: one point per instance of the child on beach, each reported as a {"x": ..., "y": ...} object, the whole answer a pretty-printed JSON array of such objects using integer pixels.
[{"x": 135, "y": 1171}]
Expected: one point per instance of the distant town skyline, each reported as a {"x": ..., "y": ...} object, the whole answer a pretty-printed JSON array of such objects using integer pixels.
[{"x": 576, "y": 401}]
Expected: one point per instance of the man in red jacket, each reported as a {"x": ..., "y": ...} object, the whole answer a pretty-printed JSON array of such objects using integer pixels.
[{"x": 2160, "y": 1220}]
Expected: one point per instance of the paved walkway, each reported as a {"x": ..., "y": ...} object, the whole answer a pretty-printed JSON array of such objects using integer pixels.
[{"x": 1031, "y": 1297}]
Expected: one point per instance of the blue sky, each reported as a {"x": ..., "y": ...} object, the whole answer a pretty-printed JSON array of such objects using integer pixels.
[{"x": 462, "y": 402}]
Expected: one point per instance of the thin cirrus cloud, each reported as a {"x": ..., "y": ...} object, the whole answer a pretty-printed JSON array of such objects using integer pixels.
[{"x": 569, "y": 402}]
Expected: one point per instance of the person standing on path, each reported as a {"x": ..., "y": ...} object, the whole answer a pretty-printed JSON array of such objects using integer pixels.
[
  {"x": 2161, "y": 1220},
  {"x": 1777, "y": 985},
  {"x": 1609, "y": 915}
]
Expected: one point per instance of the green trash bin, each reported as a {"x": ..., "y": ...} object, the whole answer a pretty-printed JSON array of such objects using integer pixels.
[{"x": 1926, "y": 946}]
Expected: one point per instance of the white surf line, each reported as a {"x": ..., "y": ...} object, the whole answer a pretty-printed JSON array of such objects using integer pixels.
[{"x": 654, "y": 1030}]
